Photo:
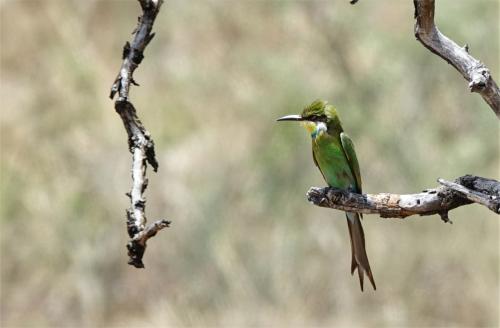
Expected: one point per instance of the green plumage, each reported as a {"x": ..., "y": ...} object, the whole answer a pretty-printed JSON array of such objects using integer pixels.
[
  {"x": 333, "y": 150},
  {"x": 334, "y": 155},
  {"x": 333, "y": 163}
]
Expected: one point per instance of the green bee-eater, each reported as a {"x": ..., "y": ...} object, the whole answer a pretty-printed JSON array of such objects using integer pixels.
[{"x": 333, "y": 153}]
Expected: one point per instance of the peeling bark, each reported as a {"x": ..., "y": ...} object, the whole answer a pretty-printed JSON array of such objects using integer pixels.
[
  {"x": 465, "y": 190},
  {"x": 140, "y": 143},
  {"x": 478, "y": 75}
]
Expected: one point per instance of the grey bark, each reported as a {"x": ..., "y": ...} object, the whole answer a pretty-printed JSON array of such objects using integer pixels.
[
  {"x": 440, "y": 200},
  {"x": 478, "y": 75},
  {"x": 140, "y": 143}
]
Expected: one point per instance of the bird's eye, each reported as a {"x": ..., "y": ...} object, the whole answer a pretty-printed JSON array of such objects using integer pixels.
[{"x": 317, "y": 118}]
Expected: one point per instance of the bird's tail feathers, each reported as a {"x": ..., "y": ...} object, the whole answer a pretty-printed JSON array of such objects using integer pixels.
[{"x": 359, "y": 258}]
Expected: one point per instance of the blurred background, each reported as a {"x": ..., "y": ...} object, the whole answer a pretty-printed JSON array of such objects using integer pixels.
[{"x": 245, "y": 247}]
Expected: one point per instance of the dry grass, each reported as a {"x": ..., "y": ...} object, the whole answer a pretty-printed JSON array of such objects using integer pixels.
[{"x": 245, "y": 248}]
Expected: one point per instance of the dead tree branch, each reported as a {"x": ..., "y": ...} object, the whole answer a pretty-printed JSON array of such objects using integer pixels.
[
  {"x": 472, "y": 70},
  {"x": 140, "y": 143},
  {"x": 490, "y": 198},
  {"x": 466, "y": 190}
]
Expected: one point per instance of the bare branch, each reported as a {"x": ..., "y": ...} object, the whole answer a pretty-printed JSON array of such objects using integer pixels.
[
  {"x": 133, "y": 53},
  {"x": 432, "y": 201},
  {"x": 140, "y": 143},
  {"x": 472, "y": 70},
  {"x": 137, "y": 245},
  {"x": 490, "y": 201}
]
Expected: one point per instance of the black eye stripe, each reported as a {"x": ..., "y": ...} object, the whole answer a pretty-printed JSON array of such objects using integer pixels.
[{"x": 317, "y": 118}]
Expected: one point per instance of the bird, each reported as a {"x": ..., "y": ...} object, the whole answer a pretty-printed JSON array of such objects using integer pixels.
[{"x": 334, "y": 154}]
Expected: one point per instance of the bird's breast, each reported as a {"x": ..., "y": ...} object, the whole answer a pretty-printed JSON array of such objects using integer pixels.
[{"x": 332, "y": 161}]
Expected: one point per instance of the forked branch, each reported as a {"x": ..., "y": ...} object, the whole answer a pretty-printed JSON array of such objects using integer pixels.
[
  {"x": 140, "y": 143},
  {"x": 472, "y": 70},
  {"x": 465, "y": 190}
]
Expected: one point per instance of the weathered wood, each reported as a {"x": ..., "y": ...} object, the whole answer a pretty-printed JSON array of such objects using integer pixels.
[
  {"x": 431, "y": 201},
  {"x": 140, "y": 143},
  {"x": 482, "y": 191},
  {"x": 472, "y": 70}
]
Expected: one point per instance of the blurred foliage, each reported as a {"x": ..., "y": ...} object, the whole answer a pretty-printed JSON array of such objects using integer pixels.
[{"x": 245, "y": 247}]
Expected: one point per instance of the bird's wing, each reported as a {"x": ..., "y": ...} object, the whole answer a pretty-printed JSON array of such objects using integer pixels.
[{"x": 350, "y": 152}]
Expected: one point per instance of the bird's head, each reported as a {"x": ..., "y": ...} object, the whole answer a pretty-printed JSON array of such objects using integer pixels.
[{"x": 317, "y": 118}]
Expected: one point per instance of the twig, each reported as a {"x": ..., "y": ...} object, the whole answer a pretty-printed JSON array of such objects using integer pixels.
[
  {"x": 140, "y": 143},
  {"x": 472, "y": 70},
  {"x": 432, "y": 201},
  {"x": 490, "y": 201}
]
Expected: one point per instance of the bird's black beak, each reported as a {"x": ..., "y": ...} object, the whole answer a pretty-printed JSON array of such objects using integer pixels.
[{"x": 290, "y": 118}]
